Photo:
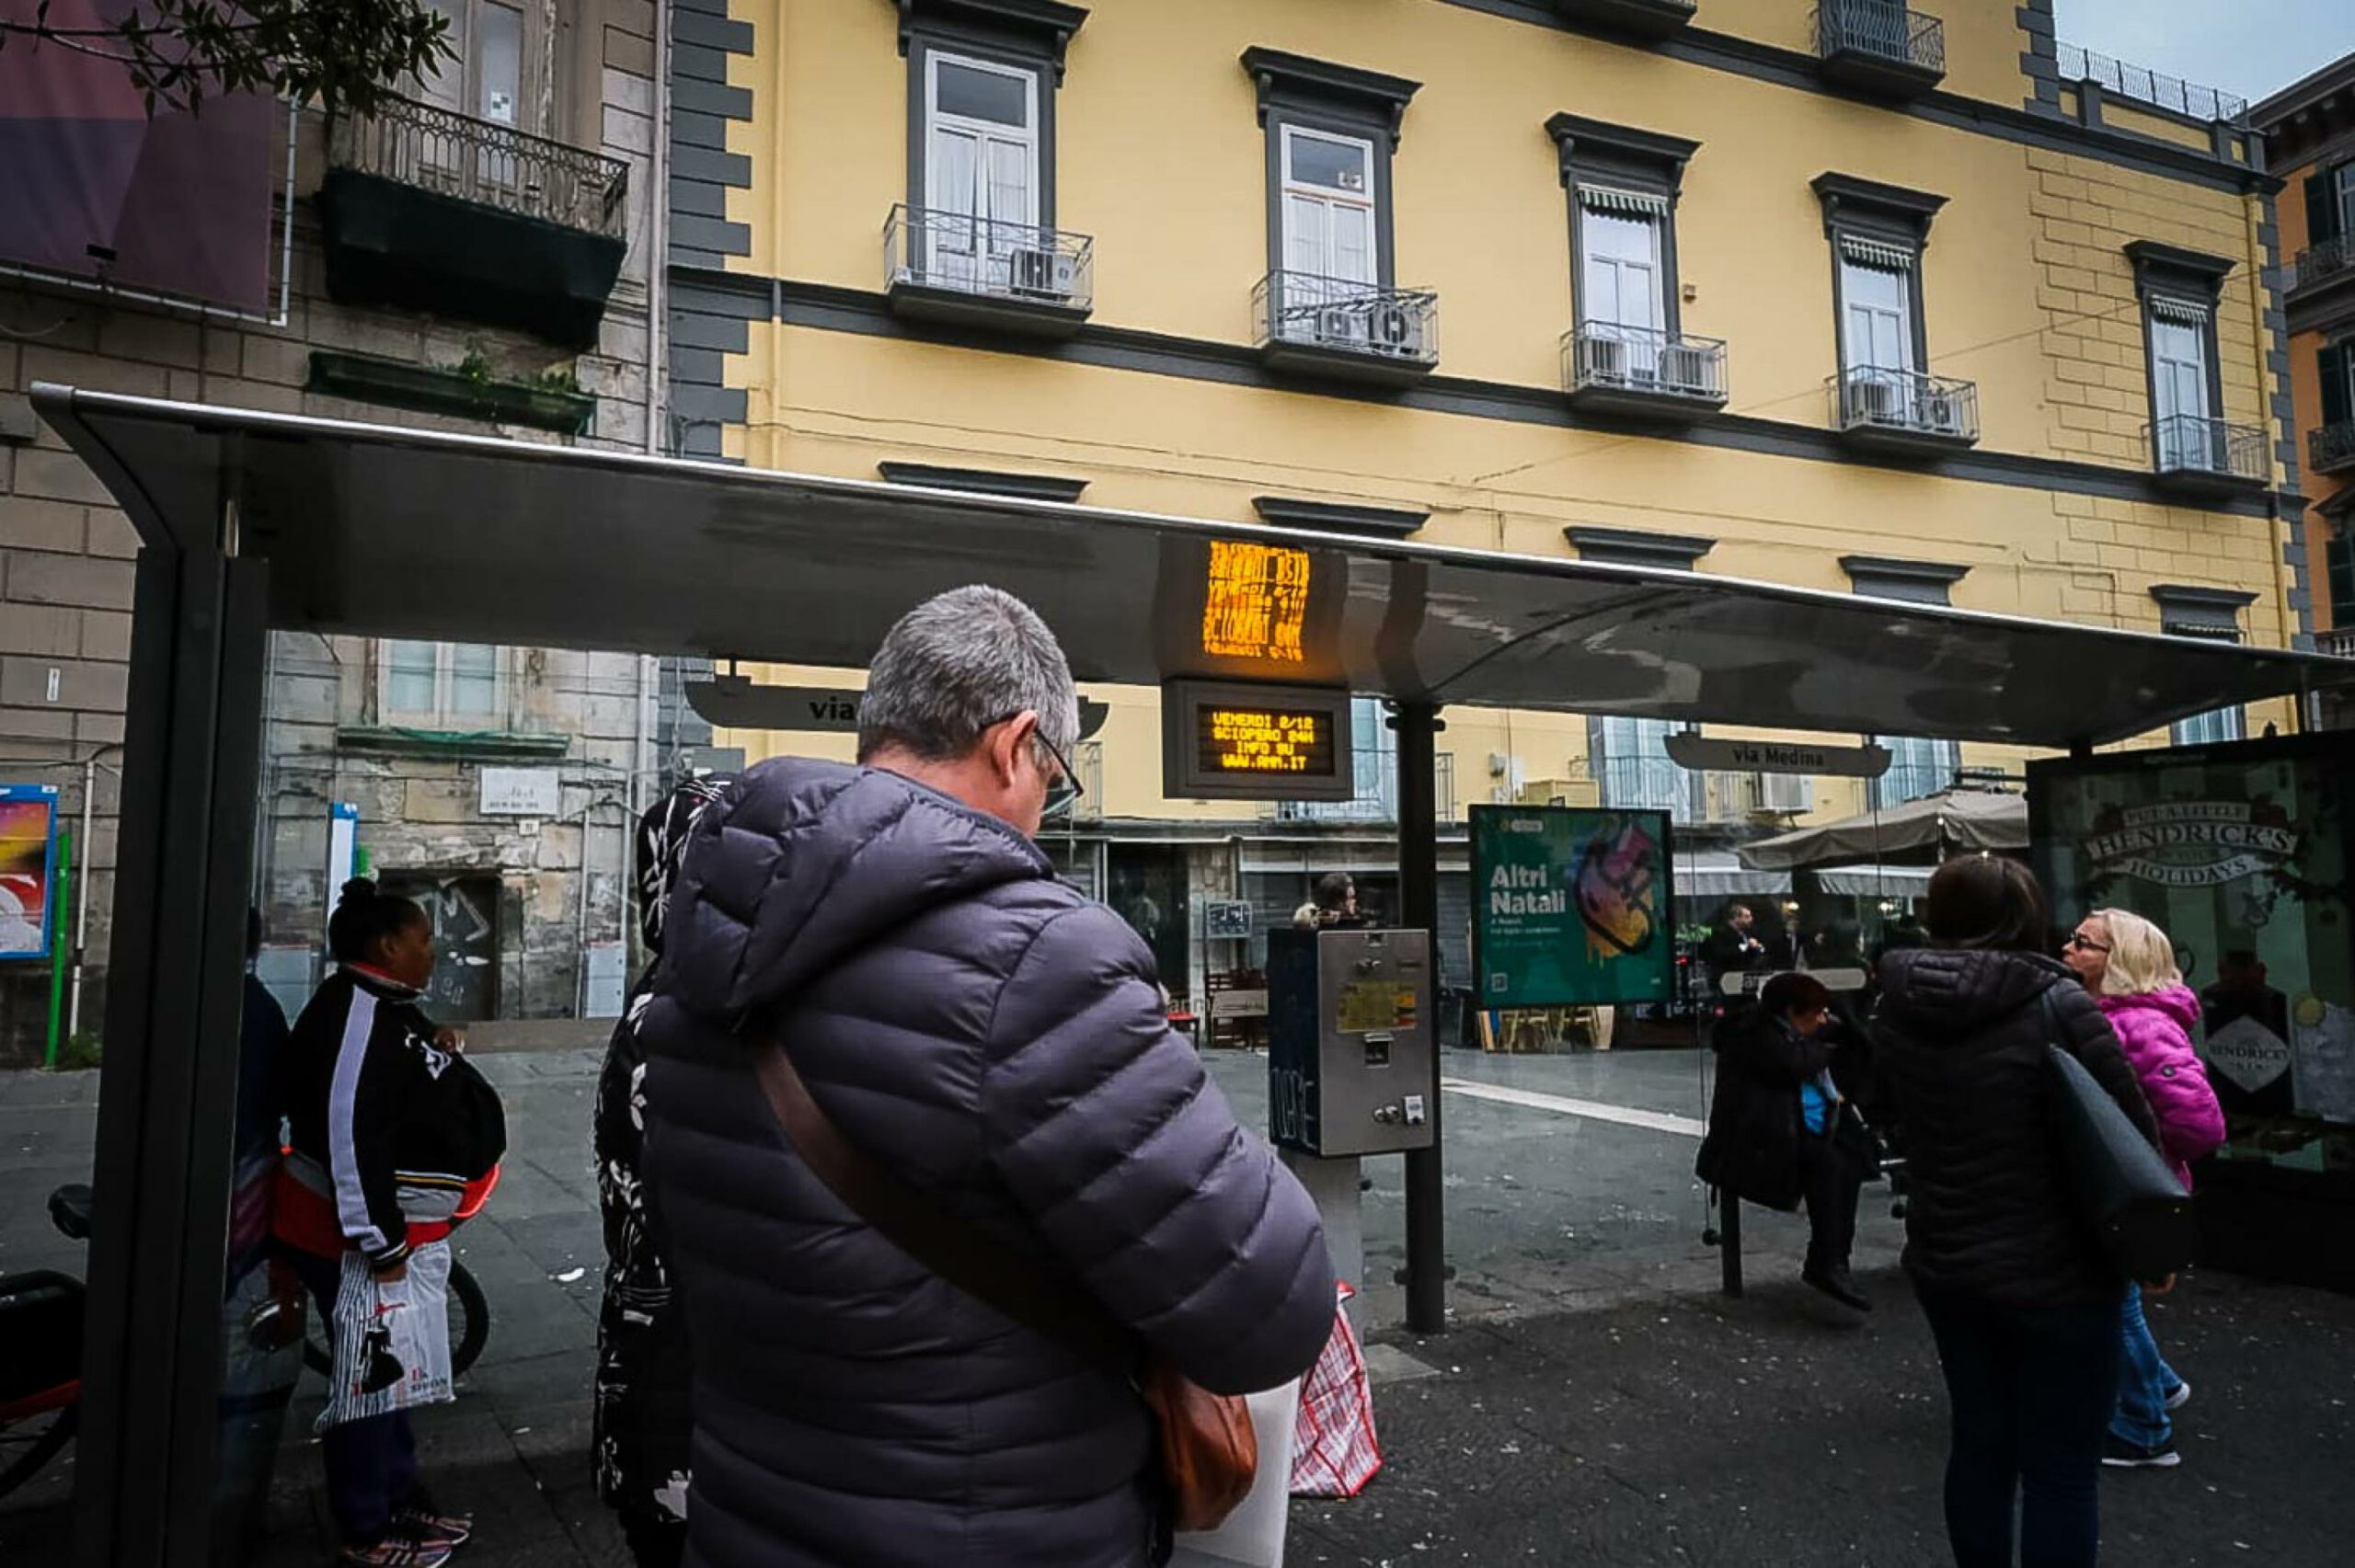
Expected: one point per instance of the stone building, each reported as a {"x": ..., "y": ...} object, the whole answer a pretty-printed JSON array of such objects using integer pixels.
[{"x": 482, "y": 255}]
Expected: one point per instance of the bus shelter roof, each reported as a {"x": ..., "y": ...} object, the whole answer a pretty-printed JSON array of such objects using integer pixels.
[{"x": 382, "y": 530}]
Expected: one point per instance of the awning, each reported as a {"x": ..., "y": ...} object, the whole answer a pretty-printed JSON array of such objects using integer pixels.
[
  {"x": 1707, "y": 876},
  {"x": 377, "y": 531},
  {"x": 1905, "y": 882},
  {"x": 1958, "y": 819}
]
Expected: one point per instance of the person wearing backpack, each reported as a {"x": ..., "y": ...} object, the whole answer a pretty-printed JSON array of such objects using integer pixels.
[{"x": 2129, "y": 966}]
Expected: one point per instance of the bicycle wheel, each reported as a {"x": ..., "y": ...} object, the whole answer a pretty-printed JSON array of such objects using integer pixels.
[
  {"x": 26, "y": 1445},
  {"x": 469, "y": 1327}
]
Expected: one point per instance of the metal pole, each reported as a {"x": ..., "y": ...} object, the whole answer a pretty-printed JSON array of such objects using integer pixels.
[
  {"x": 1416, "y": 723},
  {"x": 58, "y": 896}
]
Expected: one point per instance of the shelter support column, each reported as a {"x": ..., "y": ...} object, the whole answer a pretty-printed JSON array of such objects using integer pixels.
[
  {"x": 168, "y": 1086},
  {"x": 1417, "y": 725}
]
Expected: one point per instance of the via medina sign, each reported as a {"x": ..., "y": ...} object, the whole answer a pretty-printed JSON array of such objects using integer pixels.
[{"x": 1702, "y": 754}]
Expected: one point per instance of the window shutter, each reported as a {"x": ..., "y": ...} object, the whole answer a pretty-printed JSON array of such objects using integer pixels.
[
  {"x": 2322, "y": 207},
  {"x": 2337, "y": 405}
]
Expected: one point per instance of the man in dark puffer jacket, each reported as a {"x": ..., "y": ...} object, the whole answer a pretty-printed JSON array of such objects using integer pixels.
[{"x": 996, "y": 1039}]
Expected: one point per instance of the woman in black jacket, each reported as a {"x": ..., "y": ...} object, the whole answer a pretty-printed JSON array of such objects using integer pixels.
[
  {"x": 2022, "y": 1302},
  {"x": 1780, "y": 1131}
]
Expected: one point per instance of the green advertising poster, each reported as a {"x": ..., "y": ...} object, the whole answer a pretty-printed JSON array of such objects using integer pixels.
[{"x": 1570, "y": 907}]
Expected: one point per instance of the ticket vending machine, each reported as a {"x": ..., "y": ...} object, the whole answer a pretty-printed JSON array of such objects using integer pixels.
[
  {"x": 1351, "y": 1027},
  {"x": 1351, "y": 1036}
]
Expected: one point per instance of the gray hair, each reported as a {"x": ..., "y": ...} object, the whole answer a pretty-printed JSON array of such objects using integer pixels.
[{"x": 958, "y": 663}]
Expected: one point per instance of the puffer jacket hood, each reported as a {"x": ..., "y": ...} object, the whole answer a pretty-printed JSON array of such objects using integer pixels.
[
  {"x": 1954, "y": 992},
  {"x": 832, "y": 857},
  {"x": 1960, "y": 1042},
  {"x": 2155, "y": 1030},
  {"x": 996, "y": 1039}
]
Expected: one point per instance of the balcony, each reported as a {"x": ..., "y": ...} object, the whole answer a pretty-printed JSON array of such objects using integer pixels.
[
  {"x": 969, "y": 272},
  {"x": 1875, "y": 46},
  {"x": 2337, "y": 643},
  {"x": 1376, "y": 800},
  {"x": 1339, "y": 330},
  {"x": 1632, "y": 18},
  {"x": 1903, "y": 411},
  {"x": 2330, "y": 449},
  {"x": 429, "y": 209},
  {"x": 1642, "y": 372},
  {"x": 2321, "y": 271},
  {"x": 2196, "y": 456}
]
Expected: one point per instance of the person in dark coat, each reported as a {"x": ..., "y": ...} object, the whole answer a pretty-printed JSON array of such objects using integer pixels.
[
  {"x": 1781, "y": 1133},
  {"x": 1732, "y": 948},
  {"x": 2022, "y": 1302},
  {"x": 643, "y": 1421},
  {"x": 996, "y": 1038}
]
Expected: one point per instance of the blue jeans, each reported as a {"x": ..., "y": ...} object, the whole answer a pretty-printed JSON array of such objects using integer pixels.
[
  {"x": 2030, "y": 1392},
  {"x": 2145, "y": 1380}
]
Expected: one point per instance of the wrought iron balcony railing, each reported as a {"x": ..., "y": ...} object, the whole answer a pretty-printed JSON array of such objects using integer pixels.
[
  {"x": 1310, "y": 311},
  {"x": 1883, "y": 32},
  {"x": 1376, "y": 800},
  {"x": 2330, "y": 448},
  {"x": 491, "y": 165},
  {"x": 2189, "y": 443},
  {"x": 2145, "y": 85},
  {"x": 1601, "y": 356},
  {"x": 1869, "y": 399},
  {"x": 2321, "y": 262},
  {"x": 987, "y": 259}
]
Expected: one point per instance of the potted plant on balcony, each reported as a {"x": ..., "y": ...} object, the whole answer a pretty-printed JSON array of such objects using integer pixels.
[{"x": 552, "y": 400}]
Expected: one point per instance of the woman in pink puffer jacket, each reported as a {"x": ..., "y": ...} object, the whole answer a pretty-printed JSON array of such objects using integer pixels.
[{"x": 2129, "y": 965}]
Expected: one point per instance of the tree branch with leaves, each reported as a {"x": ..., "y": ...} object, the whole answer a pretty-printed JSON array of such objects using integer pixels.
[{"x": 347, "y": 54}]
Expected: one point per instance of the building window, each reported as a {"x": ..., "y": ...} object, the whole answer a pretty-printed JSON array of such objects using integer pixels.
[
  {"x": 439, "y": 686},
  {"x": 500, "y": 61},
  {"x": 2211, "y": 615},
  {"x": 1634, "y": 769},
  {"x": 1623, "y": 187},
  {"x": 2330, "y": 205},
  {"x": 2331, "y": 447},
  {"x": 1918, "y": 766},
  {"x": 982, "y": 80},
  {"x": 2179, "y": 289},
  {"x": 1877, "y": 235},
  {"x": 1328, "y": 215},
  {"x": 981, "y": 190}
]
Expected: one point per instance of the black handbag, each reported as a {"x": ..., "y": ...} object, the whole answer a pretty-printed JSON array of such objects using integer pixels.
[{"x": 2120, "y": 1186}]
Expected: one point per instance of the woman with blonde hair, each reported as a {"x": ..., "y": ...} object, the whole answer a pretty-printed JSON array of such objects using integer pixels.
[{"x": 2129, "y": 966}]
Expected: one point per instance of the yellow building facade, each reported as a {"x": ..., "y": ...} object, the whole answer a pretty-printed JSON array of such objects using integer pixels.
[{"x": 1849, "y": 297}]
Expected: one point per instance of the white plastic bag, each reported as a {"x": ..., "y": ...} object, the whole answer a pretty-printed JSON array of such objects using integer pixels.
[
  {"x": 408, "y": 1319},
  {"x": 1253, "y": 1535}
]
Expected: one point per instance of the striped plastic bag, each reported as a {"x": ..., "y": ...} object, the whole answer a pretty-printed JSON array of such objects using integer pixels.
[
  {"x": 392, "y": 1339},
  {"x": 1334, "y": 1450}
]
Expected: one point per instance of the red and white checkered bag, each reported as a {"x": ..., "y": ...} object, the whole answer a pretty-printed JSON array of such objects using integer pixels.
[{"x": 1334, "y": 1452}]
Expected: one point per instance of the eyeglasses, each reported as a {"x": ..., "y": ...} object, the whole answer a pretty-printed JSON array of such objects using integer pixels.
[
  {"x": 2080, "y": 940},
  {"x": 1065, "y": 793}
]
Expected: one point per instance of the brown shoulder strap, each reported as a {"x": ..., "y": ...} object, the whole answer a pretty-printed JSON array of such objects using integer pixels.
[{"x": 1041, "y": 1300}]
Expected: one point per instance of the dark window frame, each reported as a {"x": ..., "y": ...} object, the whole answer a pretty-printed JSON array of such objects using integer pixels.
[
  {"x": 1904, "y": 581},
  {"x": 2186, "y": 277},
  {"x": 1648, "y": 162},
  {"x": 2207, "y": 614},
  {"x": 1337, "y": 100},
  {"x": 1882, "y": 214},
  {"x": 1022, "y": 35}
]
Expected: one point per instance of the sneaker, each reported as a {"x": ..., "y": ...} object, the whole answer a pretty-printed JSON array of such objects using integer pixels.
[
  {"x": 419, "y": 1520},
  {"x": 2119, "y": 1454},
  {"x": 2179, "y": 1395},
  {"x": 395, "y": 1549}
]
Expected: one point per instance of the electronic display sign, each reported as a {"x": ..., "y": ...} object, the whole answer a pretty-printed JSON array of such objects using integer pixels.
[{"x": 1229, "y": 740}]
